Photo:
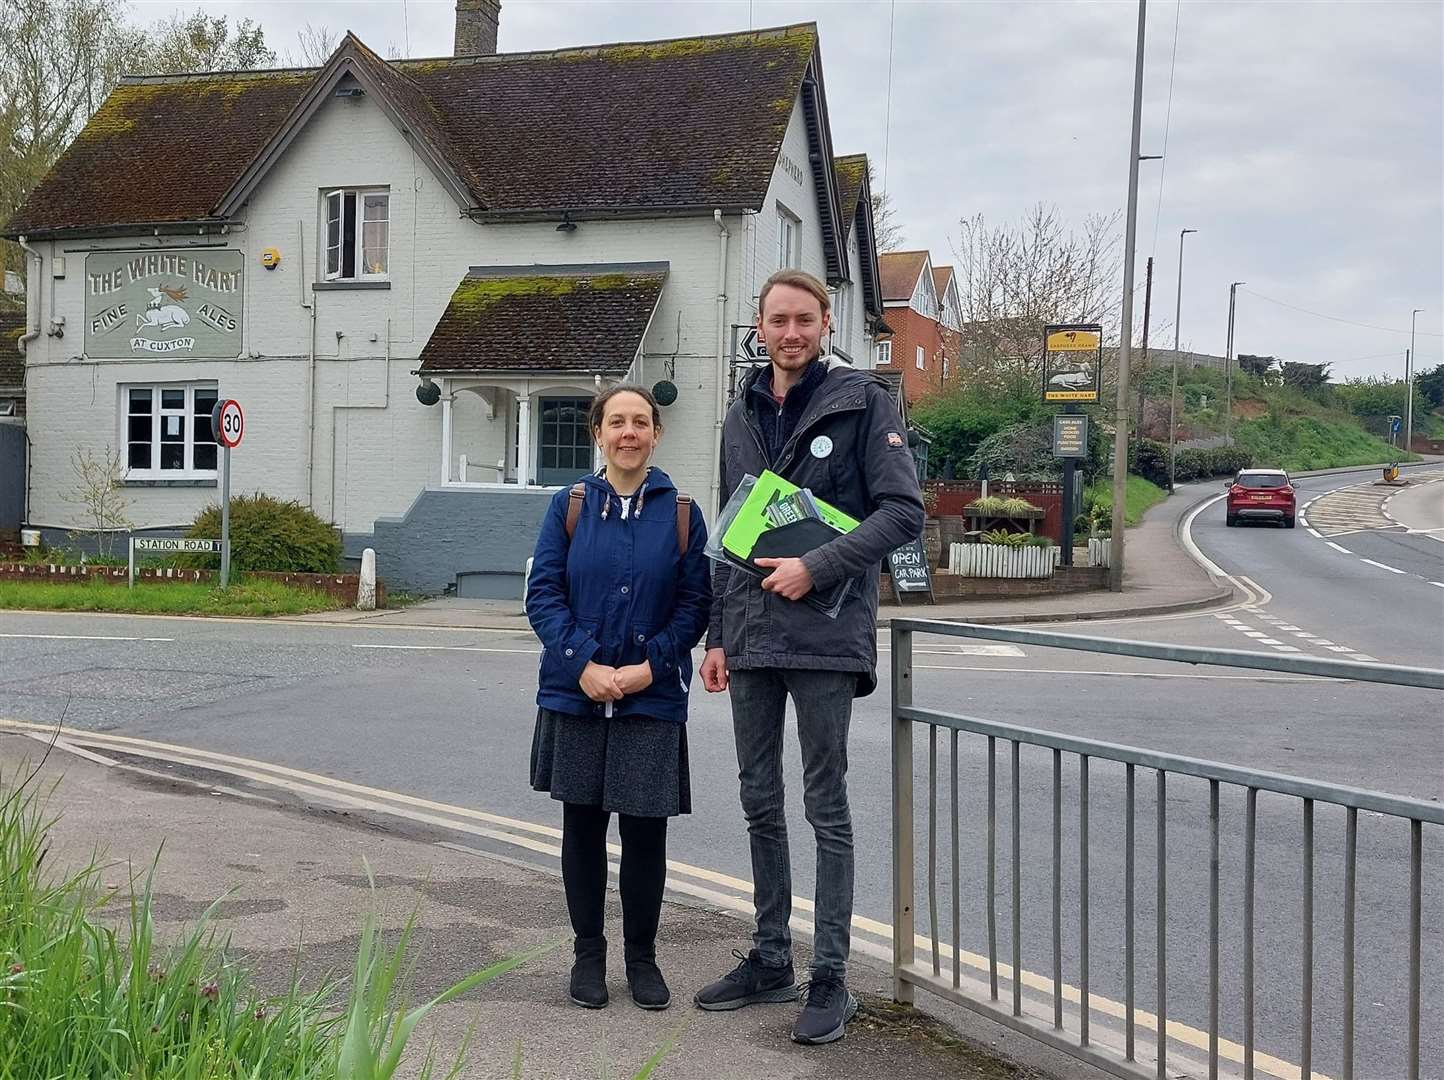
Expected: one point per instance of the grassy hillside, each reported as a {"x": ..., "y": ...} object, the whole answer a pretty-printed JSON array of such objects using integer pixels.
[{"x": 1284, "y": 427}]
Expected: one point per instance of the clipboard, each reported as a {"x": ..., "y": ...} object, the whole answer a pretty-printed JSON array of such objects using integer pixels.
[{"x": 751, "y": 534}]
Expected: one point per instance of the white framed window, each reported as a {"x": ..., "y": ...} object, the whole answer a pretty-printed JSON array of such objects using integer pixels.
[
  {"x": 789, "y": 238},
  {"x": 358, "y": 225},
  {"x": 842, "y": 313},
  {"x": 884, "y": 353},
  {"x": 922, "y": 359},
  {"x": 945, "y": 367},
  {"x": 168, "y": 431}
]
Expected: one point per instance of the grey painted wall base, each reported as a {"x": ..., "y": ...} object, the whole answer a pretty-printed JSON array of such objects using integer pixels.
[
  {"x": 487, "y": 536},
  {"x": 12, "y": 473}
]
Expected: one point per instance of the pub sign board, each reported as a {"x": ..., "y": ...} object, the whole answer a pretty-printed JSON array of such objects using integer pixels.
[
  {"x": 171, "y": 303},
  {"x": 1072, "y": 362}
]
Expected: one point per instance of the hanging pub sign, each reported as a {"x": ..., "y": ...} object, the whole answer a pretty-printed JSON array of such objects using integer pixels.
[
  {"x": 1072, "y": 362},
  {"x": 179, "y": 303}
]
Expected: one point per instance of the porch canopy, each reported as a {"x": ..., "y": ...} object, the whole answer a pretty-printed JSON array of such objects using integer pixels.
[{"x": 518, "y": 351}]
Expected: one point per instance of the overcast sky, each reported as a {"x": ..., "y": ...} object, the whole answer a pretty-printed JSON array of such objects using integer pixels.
[{"x": 1305, "y": 140}]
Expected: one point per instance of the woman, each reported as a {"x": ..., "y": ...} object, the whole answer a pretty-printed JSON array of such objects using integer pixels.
[{"x": 618, "y": 601}]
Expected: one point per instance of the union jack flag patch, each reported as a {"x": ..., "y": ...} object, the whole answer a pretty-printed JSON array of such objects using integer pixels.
[{"x": 894, "y": 439}]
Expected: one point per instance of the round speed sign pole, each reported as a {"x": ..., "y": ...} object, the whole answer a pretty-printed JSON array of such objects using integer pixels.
[{"x": 228, "y": 424}]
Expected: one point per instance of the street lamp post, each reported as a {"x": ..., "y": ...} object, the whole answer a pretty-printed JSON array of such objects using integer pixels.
[
  {"x": 1173, "y": 393},
  {"x": 1409, "y": 385},
  {"x": 1228, "y": 367},
  {"x": 1125, "y": 344}
]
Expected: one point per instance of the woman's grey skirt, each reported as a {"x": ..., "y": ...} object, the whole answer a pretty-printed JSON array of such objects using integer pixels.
[{"x": 626, "y": 764}]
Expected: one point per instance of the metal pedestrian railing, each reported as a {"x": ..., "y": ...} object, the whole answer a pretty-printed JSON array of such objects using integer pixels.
[{"x": 1073, "y": 1035}]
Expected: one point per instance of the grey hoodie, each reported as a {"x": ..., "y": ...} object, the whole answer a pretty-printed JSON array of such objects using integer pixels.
[{"x": 850, "y": 448}]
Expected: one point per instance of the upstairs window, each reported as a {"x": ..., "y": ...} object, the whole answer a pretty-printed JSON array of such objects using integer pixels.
[
  {"x": 357, "y": 235},
  {"x": 789, "y": 239},
  {"x": 921, "y": 359},
  {"x": 884, "y": 353}
]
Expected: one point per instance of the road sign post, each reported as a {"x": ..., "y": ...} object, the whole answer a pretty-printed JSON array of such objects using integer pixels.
[{"x": 228, "y": 424}]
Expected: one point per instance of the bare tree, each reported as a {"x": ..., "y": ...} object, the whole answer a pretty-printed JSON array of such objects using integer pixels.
[
  {"x": 1015, "y": 279},
  {"x": 887, "y": 233},
  {"x": 100, "y": 495},
  {"x": 314, "y": 45}
]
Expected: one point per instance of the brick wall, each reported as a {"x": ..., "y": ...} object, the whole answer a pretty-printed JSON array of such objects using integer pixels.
[
  {"x": 911, "y": 329},
  {"x": 342, "y": 586},
  {"x": 1065, "y": 579}
]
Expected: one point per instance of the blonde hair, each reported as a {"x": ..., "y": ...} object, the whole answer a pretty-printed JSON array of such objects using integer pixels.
[{"x": 797, "y": 279}]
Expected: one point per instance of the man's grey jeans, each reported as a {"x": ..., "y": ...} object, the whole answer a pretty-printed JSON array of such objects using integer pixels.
[{"x": 823, "y": 702}]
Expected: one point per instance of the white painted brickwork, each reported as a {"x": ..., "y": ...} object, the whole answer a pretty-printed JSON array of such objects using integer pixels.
[{"x": 374, "y": 447}]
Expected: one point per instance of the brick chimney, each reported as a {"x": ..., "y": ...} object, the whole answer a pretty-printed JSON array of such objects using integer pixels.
[{"x": 476, "y": 22}]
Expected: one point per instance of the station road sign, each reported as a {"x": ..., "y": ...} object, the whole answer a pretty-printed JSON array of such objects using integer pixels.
[{"x": 169, "y": 543}]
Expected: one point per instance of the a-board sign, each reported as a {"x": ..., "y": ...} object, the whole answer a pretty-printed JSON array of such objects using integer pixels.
[
  {"x": 169, "y": 543},
  {"x": 910, "y": 570},
  {"x": 1070, "y": 435}
]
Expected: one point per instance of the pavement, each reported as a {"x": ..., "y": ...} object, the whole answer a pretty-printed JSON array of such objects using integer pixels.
[
  {"x": 1159, "y": 578},
  {"x": 294, "y": 879}
]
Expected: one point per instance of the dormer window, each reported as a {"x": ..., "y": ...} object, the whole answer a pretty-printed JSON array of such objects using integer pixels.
[{"x": 357, "y": 234}]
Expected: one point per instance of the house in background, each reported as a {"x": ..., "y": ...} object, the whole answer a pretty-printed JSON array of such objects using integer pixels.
[
  {"x": 415, "y": 274},
  {"x": 922, "y": 308}
]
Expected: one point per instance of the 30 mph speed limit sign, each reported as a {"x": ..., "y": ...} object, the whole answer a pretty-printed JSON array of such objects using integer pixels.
[{"x": 228, "y": 423}]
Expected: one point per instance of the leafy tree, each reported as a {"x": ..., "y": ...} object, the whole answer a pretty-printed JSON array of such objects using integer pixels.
[
  {"x": 1429, "y": 385},
  {"x": 1260, "y": 366},
  {"x": 1305, "y": 376},
  {"x": 961, "y": 418}
]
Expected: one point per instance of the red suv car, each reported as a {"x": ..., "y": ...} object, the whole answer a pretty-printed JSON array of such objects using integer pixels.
[{"x": 1260, "y": 495}]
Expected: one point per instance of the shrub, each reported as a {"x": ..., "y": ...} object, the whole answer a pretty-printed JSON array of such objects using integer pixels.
[
  {"x": 1001, "y": 506},
  {"x": 1025, "y": 450},
  {"x": 1004, "y": 538},
  {"x": 1037, "y": 541},
  {"x": 1149, "y": 459},
  {"x": 269, "y": 534}
]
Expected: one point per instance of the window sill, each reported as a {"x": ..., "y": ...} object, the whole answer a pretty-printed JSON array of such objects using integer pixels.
[
  {"x": 189, "y": 482},
  {"x": 341, "y": 286}
]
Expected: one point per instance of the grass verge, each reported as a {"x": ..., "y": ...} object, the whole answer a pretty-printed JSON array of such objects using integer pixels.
[
  {"x": 254, "y": 597},
  {"x": 1304, "y": 443},
  {"x": 1138, "y": 497}
]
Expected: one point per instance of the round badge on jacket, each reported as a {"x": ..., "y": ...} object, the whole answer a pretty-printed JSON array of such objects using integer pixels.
[{"x": 821, "y": 446}]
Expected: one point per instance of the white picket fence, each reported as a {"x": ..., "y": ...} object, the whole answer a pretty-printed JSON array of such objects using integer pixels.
[
  {"x": 999, "y": 561},
  {"x": 1100, "y": 551}
]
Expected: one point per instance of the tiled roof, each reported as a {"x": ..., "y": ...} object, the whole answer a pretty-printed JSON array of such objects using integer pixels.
[
  {"x": 851, "y": 172},
  {"x": 671, "y": 125},
  {"x": 941, "y": 276},
  {"x": 12, "y": 360},
  {"x": 546, "y": 318},
  {"x": 899, "y": 271}
]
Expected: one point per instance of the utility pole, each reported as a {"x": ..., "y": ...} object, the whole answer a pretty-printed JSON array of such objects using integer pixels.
[
  {"x": 1143, "y": 364},
  {"x": 1173, "y": 393},
  {"x": 1120, "y": 427},
  {"x": 1409, "y": 385},
  {"x": 1228, "y": 366}
]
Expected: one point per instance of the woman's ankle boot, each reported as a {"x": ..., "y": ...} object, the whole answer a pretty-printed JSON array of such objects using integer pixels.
[
  {"x": 644, "y": 978},
  {"x": 589, "y": 973}
]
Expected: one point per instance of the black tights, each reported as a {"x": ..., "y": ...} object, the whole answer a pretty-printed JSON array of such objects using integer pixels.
[{"x": 584, "y": 872}]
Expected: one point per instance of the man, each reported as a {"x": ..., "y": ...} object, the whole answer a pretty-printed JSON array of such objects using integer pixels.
[{"x": 824, "y": 426}]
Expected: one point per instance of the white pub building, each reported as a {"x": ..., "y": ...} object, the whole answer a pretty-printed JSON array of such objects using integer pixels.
[{"x": 415, "y": 274}]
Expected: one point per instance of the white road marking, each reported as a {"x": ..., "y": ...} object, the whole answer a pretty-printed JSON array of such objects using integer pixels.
[
  {"x": 82, "y": 637},
  {"x": 1382, "y": 566},
  {"x": 1338, "y": 547},
  {"x": 1315, "y": 532},
  {"x": 1290, "y": 627},
  {"x": 962, "y": 650},
  {"x": 1439, "y": 583},
  {"x": 1255, "y": 633},
  {"x": 1121, "y": 674},
  {"x": 1287, "y": 648},
  {"x": 1269, "y": 641}
]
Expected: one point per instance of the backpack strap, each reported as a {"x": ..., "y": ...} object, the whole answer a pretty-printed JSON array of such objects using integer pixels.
[
  {"x": 684, "y": 521},
  {"x": 575, "y": 498}
]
